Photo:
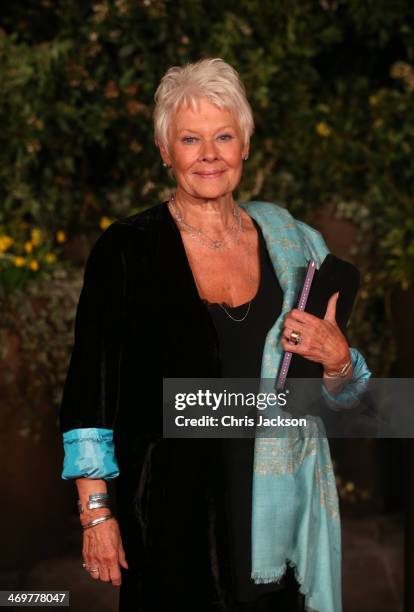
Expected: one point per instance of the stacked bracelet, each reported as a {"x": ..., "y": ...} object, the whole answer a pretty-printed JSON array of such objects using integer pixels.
[
  {"x": 341, "y": 373},
  {"x": 93, "y": 505},
  {"x": 98, "y": 521},
  {"x": 96, "y": 500},
  {"x": 97, "y": 496}
]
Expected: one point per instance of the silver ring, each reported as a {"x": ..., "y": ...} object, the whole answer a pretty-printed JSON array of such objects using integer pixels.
[{"x": 90, "y": 569}]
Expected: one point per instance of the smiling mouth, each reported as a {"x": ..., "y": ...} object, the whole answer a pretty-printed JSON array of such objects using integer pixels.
[{"x": 209, "y": 175}]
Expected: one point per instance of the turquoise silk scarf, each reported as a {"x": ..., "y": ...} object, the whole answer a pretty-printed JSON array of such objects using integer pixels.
[{"x": 295, "y": 513}]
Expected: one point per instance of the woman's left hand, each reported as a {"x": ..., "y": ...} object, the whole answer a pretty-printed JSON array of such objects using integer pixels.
[{"x": 321, "y": 340}]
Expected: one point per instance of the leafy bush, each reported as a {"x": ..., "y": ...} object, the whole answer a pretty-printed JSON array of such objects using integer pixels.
[
  {"x": 36, "y": 335},
  {"x": 330, "y": 83}
]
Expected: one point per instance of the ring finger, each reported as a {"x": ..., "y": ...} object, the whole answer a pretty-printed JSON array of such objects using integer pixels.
[
  {"x": 288, "y": 331},
  {"x": 94, "y": 571},
  {"x": 91, "y": 563}
]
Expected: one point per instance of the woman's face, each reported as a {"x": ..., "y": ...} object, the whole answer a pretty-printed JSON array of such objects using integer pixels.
[{"x": 205, "y": 151}]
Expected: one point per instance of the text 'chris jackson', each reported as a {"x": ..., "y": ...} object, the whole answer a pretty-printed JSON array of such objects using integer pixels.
[{"x": 232, "y": 421}]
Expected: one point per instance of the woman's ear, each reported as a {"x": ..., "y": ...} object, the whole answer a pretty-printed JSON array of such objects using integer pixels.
[{"x": 164, "y": 154}]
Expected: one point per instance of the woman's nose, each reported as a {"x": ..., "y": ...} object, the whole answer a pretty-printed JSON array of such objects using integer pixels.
[{"x": 209, "y": 152}]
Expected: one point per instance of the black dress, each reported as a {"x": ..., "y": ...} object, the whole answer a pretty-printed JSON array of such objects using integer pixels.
[{"x": 241, "y": 345}]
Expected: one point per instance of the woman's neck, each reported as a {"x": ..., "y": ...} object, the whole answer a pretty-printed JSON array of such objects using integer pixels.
[{"x": 205, "y": 214}]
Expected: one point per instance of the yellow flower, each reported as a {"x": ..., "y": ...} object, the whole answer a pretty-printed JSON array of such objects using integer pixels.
[
  {"x": 5, "y": 243},
  {"x": 19, "y": 261},
  {"x": 36, "y": 236},
  {"x": 323, "y": 129},
  {"x": 34, "y": 265},
  {"x": 373, "y": 100},
  {"x": 61, "y": 236},
  {"x": 105, "y": 222},
  {"x": 28, "y": 246},
  {"x": 50, "y": 258}
]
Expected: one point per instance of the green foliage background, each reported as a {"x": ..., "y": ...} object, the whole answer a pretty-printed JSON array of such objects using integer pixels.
[{"x": 331, "y": 84}]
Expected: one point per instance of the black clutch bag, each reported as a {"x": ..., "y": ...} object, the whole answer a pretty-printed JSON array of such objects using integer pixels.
[{"x": 333, "y": 275}]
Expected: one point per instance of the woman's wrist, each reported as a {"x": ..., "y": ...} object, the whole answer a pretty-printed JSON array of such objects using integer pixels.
[
  {"x": 90, "y": 515},
  {"x": 94, "y": 500},
  {"x": 334, "y": 381},
  {"x": 339, "y": 371},
  {"x": 98, "y": 518},
  {"x": 339, "y": 366}
]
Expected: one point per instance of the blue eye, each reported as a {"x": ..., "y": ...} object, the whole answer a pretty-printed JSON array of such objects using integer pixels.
[
  {"x": 225, "y": 137},
  {"x": 189, "y": 139}
]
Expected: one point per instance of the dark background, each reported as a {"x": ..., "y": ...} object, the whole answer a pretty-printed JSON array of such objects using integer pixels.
[{"x": 332, "y": 90}]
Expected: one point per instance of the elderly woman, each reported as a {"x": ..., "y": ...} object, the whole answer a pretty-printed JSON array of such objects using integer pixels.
[{"x": 202, "y": 286}]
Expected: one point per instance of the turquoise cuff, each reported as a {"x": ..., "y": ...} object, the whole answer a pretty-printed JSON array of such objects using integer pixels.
[
  {"x": 352, "y": 391},
  {"x": 89, "y": 453}
]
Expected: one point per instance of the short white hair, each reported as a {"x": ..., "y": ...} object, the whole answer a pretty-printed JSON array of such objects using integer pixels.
[{"x": 212, "y": 79}]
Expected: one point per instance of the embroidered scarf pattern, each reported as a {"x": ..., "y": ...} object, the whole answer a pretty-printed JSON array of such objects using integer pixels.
[{"x": 295, "y": 512}]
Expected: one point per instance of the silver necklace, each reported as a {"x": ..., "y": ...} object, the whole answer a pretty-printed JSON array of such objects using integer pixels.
[
  {"x": 250, "y": 281},
  {"x": 202, "y": 237},
  {"x": 231, "y": 316},
  {"x": 215, "y": 244}
]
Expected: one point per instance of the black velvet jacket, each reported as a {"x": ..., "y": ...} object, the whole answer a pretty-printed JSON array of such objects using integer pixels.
[{"x": 140, "y": 319}]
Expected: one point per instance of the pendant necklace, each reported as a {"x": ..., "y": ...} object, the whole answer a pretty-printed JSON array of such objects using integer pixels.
[{"x": 201, "y": 237}]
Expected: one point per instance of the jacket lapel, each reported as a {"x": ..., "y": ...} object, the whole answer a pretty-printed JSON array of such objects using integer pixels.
[{"x": 192, "y": 344}]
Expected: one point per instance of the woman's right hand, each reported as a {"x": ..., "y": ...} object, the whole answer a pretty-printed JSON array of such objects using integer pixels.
[{"x": 103, "y": 550}]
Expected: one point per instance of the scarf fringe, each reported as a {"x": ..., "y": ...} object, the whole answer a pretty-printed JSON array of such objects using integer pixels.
[{"x": 276, "y": 575}]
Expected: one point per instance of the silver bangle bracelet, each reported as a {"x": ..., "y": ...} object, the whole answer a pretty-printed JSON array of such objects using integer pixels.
[
  {"x": 93, "y": 505},
  {"x": 94, "y": 498},
  {"x": 98, "y": 496},
  {"x": 97, "y": 521}
]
